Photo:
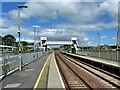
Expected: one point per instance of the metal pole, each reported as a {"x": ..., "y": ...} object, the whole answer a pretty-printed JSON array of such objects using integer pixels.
[
  {"x": 117, "y": 46},
  {"x": 34, "y": 42},
  {"x": 37, "y": 39},
  {"x": 117, "y": 57},
  {"x": 19, "y": 27},
  {"x": 98, "y": 40},
  {"x": 83, "y": 45},
  {"x": 83, "y": 49},
  {"x": 34, "y": 38},
  {"x": 19, "y": 45},
  {"x": 99, "y": 44}
]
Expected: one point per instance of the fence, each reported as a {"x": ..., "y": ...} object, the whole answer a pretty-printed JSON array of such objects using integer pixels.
[
  {"x": 11, "y": 63},
  {"x": 110, "y": 55}
]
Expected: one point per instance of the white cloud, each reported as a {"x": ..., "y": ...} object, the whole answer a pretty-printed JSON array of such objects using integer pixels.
[
  {"x": 1, "y": 22},
  {"x": 79, "y": 15},
  {"x": 25, "y": 39},
  {"x": 75, "y": 12},
  {"x": 59, "y": 0},
  {"x": 87, "y": 27},
  {"x": 86, "y": 39},
  {"x": 110, "y": 7},
  {"x": 89, "y": 43},
  {"x": 104, "y": 37},
  {"x": 114, "y": 38}
]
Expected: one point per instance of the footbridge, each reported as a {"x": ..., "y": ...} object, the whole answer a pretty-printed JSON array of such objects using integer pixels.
[
  {"x": 59, "y": 42},
  {"x": 72, "y": 42}
]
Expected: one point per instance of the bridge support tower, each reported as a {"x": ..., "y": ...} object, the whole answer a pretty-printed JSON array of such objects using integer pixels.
[{"x": 43, "y": 43}]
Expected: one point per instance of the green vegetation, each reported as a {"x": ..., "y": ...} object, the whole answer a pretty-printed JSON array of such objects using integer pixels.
[
  {"x": 66, "y": 47},
  {"x": 1, "y": 40},
  {"x": 9, "y": 40},
  {"x": 1, "y": 71}
]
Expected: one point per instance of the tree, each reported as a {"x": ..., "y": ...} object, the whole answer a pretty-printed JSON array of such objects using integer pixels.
[
  {"x": 1, "y": 40},
  {"x": 24, "y": 43},
  {"x": 9, "y": 40}
]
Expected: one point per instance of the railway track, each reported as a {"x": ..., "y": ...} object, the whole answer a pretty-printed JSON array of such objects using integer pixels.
[
  {"x": 71, "y": 79},
  {"x": 107, "y": 76},
  {"x": 81, "y": 75}
]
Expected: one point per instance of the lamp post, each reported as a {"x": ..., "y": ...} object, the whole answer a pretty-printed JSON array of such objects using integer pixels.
[
  {"x": 117, "y": 47},
  {"x": 99, "y": 43},
  {"x": 117, "y": 44},
  {"x": 35, "y": 37},
  {"x": 118, "y": 36},
  {"x": 19, "y": 6},
  {"x": 98, "y": 40},
  {"x": 83, "y": 45}
]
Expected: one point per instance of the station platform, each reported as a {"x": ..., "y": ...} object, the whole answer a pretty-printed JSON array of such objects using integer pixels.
[
  {"x": 40, "y": 74},
  {"x": 25, "y": 78},
  {"x": 112, "y": 63},
  {"x": 54, "y": 77},
  {"x": 50, "y": 77}
]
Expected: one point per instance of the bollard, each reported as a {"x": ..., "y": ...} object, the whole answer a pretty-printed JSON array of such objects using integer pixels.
[
  {"x": 4, "y": 67},
  {"x": 20, "y": 66},
  {"x": 37, "y": 57},
  {"x": 1, "y": 84},
  {"x": 99, "y": 54}
]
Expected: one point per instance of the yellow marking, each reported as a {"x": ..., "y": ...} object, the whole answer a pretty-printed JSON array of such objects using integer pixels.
[{"x": 37, "y": 82}]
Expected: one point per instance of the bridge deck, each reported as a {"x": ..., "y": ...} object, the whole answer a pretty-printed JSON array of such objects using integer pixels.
[{"x": 59, "y": 42}]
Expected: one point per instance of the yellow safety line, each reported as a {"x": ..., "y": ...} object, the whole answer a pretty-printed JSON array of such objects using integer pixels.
[{"x": 37, "y": 82}]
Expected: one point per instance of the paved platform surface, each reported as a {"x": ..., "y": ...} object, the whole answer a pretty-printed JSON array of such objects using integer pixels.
[
  {"x": 40, "y": 74},
  {"x": 108, "y": 62},
  {"x": 54, "y": 77},
  {"x": 25, "y": 78}
]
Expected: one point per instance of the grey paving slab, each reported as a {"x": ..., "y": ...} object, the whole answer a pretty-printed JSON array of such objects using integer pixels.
[
  {"x": 54, "y": 78},
  {"x": 27, "y": 77},
  {"x": 44, "y": 75}
]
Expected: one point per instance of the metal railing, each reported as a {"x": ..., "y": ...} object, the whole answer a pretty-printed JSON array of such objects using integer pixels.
[
  {"x": 110, "y": 55},
  {"x": 11, "y": 63}
]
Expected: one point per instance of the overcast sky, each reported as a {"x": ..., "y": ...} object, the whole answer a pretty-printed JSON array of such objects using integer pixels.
[{"x": 61, "y": 20}]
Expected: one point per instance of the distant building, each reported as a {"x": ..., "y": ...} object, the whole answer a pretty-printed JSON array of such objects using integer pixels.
[
  {"x": 105, "y": 47},
  {"x": 87, "y": 47}
]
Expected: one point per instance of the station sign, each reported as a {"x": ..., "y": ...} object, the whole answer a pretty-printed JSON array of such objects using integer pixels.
[{"x": 43, "y": 38}]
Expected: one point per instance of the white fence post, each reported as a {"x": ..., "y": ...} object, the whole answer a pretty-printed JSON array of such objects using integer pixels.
[{"x": 20, "y": 64}]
